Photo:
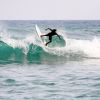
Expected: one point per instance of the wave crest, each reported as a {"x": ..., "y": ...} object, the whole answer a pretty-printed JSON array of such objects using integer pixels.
[{"x": 31, "y": 49}]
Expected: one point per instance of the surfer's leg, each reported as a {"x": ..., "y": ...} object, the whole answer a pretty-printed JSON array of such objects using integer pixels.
[
  {"x": 50, "y": 40},
  {"x": 45, "y": 35},
  {"x": 42, "y": 35}
]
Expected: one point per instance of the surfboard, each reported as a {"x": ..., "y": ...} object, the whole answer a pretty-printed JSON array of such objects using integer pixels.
[
  {"x": 39, "y": 34},
  {"x": 56, "y": 42}
]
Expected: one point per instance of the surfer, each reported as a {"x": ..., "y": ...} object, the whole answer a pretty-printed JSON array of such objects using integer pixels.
[{"x": 50, "y": 34}]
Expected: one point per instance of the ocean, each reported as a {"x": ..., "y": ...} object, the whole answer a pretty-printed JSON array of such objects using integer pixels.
[{"x": 66, "y": 69}]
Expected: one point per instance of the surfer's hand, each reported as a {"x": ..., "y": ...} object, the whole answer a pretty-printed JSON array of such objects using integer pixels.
[{"x": 59, "y": 37}]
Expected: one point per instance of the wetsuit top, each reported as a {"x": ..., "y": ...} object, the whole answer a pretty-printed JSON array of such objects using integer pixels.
[{"x": 53, "y": 32}]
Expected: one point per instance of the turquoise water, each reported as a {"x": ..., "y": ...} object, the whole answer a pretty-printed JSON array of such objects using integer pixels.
[{"x": 68, "y": 71}]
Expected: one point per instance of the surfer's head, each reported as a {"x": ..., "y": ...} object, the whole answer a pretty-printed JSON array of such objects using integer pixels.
[{"x": 54, "y": 30}]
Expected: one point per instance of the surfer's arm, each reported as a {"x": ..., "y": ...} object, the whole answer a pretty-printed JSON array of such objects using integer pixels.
[
  {"x": 58, "y": 36},
  {"x": 49, "y": 29}
]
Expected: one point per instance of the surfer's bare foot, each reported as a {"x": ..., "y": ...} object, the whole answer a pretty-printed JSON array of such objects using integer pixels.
[
  {"x": 46, "y": 44},
  {"x": 41, "y": 35}
]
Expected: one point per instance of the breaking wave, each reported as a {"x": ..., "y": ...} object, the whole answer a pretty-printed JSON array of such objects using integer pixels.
[{"x": 31, "y": 50}]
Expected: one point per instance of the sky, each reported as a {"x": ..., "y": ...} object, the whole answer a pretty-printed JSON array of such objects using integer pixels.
[{"x": 49, "y": 9}]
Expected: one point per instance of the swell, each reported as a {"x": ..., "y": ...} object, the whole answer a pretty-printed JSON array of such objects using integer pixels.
[
  {"x": 31, "y": 50},
  {"x": 35, "y": 54},
  {"x": 9, "y": 54}
]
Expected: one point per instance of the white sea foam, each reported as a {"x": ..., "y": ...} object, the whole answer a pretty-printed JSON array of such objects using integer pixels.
[{"x": 90, "y": 48}]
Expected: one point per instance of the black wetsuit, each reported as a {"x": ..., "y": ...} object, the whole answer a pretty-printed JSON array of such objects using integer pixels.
[{"x": 50, "y": 34}]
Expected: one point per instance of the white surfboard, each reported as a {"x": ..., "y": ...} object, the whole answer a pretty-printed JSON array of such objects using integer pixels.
[
  {"x": 39, "y": 34},
  {"x": 55, "y": 43}
]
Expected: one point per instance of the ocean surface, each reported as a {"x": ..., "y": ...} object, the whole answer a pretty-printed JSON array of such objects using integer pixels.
[{"x": 66, "y": 69}]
